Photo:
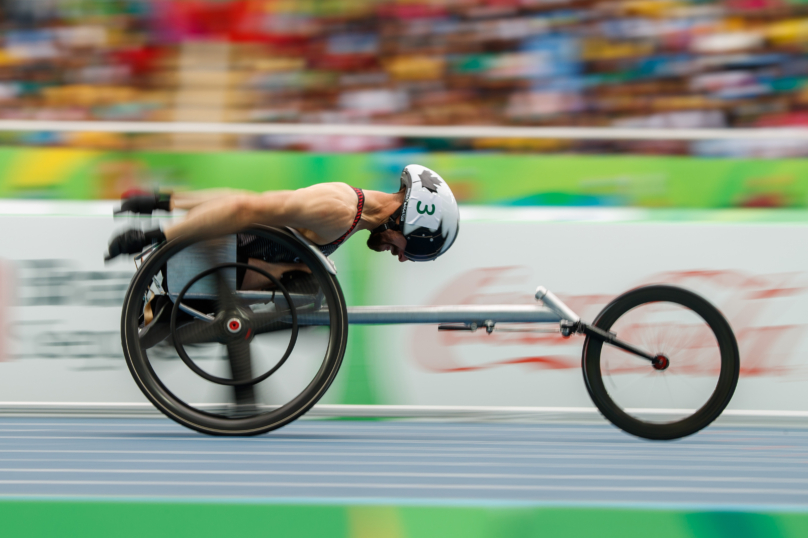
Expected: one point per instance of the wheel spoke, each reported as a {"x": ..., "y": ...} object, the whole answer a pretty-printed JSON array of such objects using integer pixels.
[
  {"x": 264, "y": 322},
  {"x": 238, "y": 354},
  {"x": 199, "y": 332},
  {"x": 225, "y": 296},
  {"x": 642, "y": 378}
]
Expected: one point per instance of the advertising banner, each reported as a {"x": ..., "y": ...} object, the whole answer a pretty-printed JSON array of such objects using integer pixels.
[{"x": 749, "y": 271}]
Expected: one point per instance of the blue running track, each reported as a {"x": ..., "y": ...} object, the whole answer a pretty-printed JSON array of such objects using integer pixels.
[{"x": 403, "y": 462}]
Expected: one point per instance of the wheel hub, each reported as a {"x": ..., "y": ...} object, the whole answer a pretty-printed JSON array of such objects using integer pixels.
[
  {"x": 661, "y": 362},
  {"x": 234, "y": 325}
]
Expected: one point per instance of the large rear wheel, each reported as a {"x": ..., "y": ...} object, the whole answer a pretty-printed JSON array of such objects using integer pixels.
[{"x": 228, "y": 346}]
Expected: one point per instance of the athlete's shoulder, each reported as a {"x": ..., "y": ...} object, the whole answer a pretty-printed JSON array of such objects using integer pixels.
[
  {"x": 336, "y": 200},
  {"x": 333, "y": 192},
  {"x": 331, "y": 186}
]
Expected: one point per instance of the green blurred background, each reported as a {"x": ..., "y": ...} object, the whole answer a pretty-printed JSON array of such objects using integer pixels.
[{"x": 477, "y": 178}]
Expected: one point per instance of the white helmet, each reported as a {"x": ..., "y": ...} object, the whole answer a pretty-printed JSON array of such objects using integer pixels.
[{"x": 429, "y": 216}]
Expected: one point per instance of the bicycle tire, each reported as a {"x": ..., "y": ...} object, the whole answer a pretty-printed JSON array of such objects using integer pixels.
[
  {"x": 727, "y": 357},
  {"x": 199, "y": 419}
]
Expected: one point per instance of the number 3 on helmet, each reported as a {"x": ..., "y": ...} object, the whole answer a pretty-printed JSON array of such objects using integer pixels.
[{"x": 429, "y": 216}]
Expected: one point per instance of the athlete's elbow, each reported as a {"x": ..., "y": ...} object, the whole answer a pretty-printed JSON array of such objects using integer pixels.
[{"x": 244, "y": 210}]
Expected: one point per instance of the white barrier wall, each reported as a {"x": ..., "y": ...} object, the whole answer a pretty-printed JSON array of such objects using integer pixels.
[
  {"x": 62, "y": 304},
  {"x": 62, "y": 341}
]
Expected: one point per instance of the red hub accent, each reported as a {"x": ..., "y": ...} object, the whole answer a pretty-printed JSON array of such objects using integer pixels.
[
  {"x": 661, "y": 362},
  {"x": 234, "y": 325}
]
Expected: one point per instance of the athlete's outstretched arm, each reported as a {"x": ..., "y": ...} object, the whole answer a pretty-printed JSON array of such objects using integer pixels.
[
  {"x": 191, "y": 199},
  {"x": 232, "y": 213},
  {"x": 322, "y": 212}
]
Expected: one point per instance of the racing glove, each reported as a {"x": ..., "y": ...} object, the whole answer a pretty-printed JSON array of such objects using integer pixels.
[
  {"x": 133, "y": 242},
  {"x": 144, "y": 203}
]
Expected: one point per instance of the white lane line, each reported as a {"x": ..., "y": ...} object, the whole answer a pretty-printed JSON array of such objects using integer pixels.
[
  {"x": 28, "y": 430},
  {"x": 353, "y": 485},
  {"x": 92, "y": 422},
  {"x": 577, "y": 455},
  {"x": 477, "y": 445},
  {"x": 348, "y": 425},
  {"x": 493, "y": 429},
  {"x": 329, "y": 423},
  {"x": 388, "y": 474},
  {"x": 789, "y": 468},
  {"x": 390, "y": 450},
  {"x": 524, "y": 436},
  {"x": 736, "y": 436},
  {"x": 397, "y": 425},
  {"x": 409, "y": 425},
  {"x": 391, "y": 447},
  {"x": 415, "y": 425},
  {"x": 293, "y": 430},
  {"x": 288, "y": 438},
  {"x": 283, "y": 434},
  {"x": 566, "y": 455},
  {"x": 437, "y": 452}
]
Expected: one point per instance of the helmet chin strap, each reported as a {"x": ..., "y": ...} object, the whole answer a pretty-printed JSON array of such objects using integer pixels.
[{"x": 391, "y": 224}]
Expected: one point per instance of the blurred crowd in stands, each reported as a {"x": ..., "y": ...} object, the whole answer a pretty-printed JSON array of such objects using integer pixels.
[{"x": 630, "y": 63}]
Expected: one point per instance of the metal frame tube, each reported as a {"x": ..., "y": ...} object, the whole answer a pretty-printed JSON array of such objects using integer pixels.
[
  {"x": 556, "y": 305},
  {"x": 479, "y": 315},
  {"x": 468, "y": 314}
]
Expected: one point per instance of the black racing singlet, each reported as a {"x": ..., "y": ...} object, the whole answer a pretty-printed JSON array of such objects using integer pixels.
[{"x": 250, "y": 246}]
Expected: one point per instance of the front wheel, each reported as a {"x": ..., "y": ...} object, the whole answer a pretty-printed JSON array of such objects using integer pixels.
[{"x": 687, "y": 388}]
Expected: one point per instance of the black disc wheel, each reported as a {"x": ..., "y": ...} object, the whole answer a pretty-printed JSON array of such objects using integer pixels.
[
  {"x": 692, "y": 377},
  {"x": 236, "y": 335}
]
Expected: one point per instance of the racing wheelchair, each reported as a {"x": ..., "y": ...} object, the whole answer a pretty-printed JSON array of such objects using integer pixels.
[{"x": 226, "y": 347}]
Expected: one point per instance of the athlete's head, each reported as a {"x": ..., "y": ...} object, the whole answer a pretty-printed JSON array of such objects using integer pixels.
[{"x": 426, "y": 225}]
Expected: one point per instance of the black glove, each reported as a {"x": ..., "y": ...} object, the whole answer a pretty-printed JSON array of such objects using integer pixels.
[
  {"x": 145, "y": 203},
  {"x": 133, "y": 242}
]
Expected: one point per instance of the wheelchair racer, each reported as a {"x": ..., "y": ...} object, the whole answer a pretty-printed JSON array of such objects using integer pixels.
[{"x": 418, "y": 223}]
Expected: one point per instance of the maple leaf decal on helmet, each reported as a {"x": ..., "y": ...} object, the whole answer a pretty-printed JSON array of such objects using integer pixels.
[{"x": 429, "y": 181}]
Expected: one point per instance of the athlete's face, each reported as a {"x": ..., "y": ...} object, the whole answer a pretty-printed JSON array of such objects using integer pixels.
[{"x": 389, "y": 240}]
